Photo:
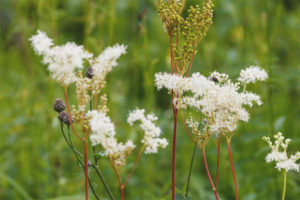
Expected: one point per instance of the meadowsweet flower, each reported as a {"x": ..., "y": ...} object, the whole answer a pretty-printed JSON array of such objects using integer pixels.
[
  {"x": 41, "y": 42},
  {"x": 174, "y": 82},
  {"x": 151, "y": 138},
  {"x": 252, "y": 74},
  {"x": 279, "y": 154},
  {"x": 103, "y": 132},
  {"x": 61, "y": 60},
  {"x": 105, "y": 62},
  {"x": 217, "y": 97}
]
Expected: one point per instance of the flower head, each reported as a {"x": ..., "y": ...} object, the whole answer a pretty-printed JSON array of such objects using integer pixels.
[
  {"x": 252, "y": 74},
  {"x": 279, "y": 154},
  {"x": 151, "y": 138},
  {"x": 103, "y": 132},
  {"x": 61, "y": 60},
  {"x": 172, "y": 82}
]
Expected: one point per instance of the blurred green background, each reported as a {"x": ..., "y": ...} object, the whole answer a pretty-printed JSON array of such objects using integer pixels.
[{"x": 35, "y": 162}]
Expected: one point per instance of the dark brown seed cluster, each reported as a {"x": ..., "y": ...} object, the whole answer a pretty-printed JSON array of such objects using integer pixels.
[
  {"x": 59, "y": 105},
  {"x": 63, "y": 117},
  {"x": 89, "y": 72}
]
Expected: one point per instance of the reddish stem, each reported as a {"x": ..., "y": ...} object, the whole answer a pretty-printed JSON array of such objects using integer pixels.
[
  {"x": 218, "y": 160},
  {"x": 187, "y": 130},
  {"x": 135, "y": 165},
  {"x": 171, "y": 52},
  {"x": 174, "y": 152},
  {"x": 69, "y": 115},
  {"x": 232, "y": 168},
  {"x": 95, "y": 101},
  {"x": 208, "y": 174},
  {"x": 122, "y": 192},
  {"x": 86, "y": 170},
  {"x": 190, "y": 66}
]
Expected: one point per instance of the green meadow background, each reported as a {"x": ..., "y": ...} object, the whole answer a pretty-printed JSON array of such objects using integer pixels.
[{"x": 35, "y": 161}]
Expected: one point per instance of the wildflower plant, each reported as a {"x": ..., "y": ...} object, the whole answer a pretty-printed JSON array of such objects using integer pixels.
[
  {"x": 279, "y": 155},
  {"x": 184, "y": 33},
  {"x": 221, "y": 102},
  {"x": 90, "y": 113}
]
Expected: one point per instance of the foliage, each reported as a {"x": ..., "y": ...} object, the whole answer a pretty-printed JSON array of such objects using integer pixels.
[{"x": 36, "y": 162}]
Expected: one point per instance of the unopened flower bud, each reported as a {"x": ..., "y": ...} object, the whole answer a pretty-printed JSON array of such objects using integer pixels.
[
  {"x": 59, "y": 105},
  {"x": 66, "y": 119},
  {"x": 62, "y": 115},
  {"x": 89, "y": 72}
]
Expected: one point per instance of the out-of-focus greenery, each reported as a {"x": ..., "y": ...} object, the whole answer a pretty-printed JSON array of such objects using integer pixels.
[{"x": 35, "y": 162}]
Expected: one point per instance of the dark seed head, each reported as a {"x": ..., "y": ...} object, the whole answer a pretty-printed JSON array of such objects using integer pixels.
[
  {"x": 62, "y": 115},
  {"x": 89, "y": 72},
  {"x": 59, "y": 105},
  {"x": 214, "y": 79},
  {"x": 66, "y": 119}
]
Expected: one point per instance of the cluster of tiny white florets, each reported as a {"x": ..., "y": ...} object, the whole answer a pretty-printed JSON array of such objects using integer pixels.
[
  {"x": 216, "y": 97},
  {"x": 105, "y": 62},
  {"x": 151, "y": 138},
  {"x": 103, "y": 132},
  {"x": 62, "y": 60},
  {"x": 279, "y": 154},
  {"x": 175, "y": 83},
  {"x": 252, "y": 74}
]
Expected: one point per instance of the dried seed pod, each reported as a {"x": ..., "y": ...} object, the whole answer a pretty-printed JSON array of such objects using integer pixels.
[
  {"x": 59, "y": 105},
  {"x": 89, "y": 72}
]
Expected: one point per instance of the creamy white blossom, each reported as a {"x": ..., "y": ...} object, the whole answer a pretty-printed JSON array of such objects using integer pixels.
[
  {"x": 218, "y": 98},
  {"x": 172, "y": 82},
  {"x": 41, "y": 42},
  {"x": 103, "y": 132},
  {"x": 62, "y": 60},
  {"x": 279, "y": 153},
  {"x": 151, "y": 137},
  {"x": 252, "y": 74},
  {"x": 106, "y": 61}
]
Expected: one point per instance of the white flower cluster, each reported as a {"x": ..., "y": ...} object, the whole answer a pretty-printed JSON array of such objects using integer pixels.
[
  {"x": 106, "y": 61},
  {"x": 151, "y": 138},
  {"x": 103, "y": 132},
  {"x": 279, "y": 154},
  {"x": 216, "y": 97},
  {"x": 252, "y": 74},
  {"x": 62, "y": 60},
  {"x": 174, "y": 82}
]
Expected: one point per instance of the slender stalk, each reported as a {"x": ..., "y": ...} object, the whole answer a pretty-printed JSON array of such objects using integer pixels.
[
  {"x": 69, "y": 114},
  {"x": 171, "y": 52},
  {"x": 208, "y": 174},
  {"x": 284, "y": 184},
  {"x": 86, "y": 169},
  {"x": 174, "y": 153},
  {"x": 187, "y": 130},
  {"x": 218, "y": 160},
  {"x": 190, "y": 66},
  {"x": 232, "y": 168},
  {"x": 135, "y": 165},
  {"x": 190, "y": 172},
  {"x": 95, "y": 101},
  {"x": 122, "y": 186},
  {"x": 77, "y": 155}
]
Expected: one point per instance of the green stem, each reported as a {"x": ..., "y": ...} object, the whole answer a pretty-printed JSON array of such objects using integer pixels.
[
  {"x": 190, "y": 172},
  {"x": 284, "y": 184},
  {"x": 95, "y": 166},
  {"x": 78, "y": 155}
]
